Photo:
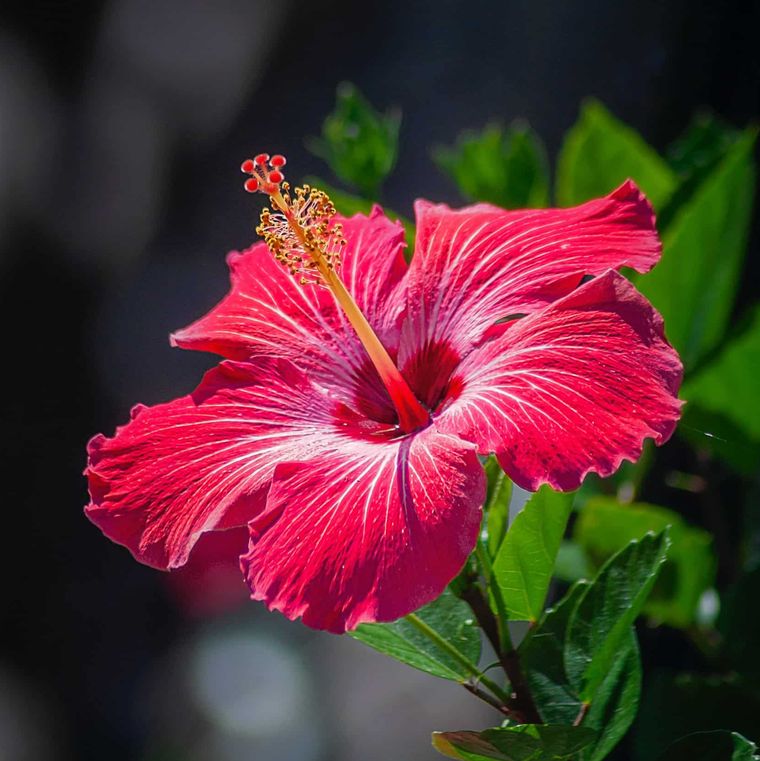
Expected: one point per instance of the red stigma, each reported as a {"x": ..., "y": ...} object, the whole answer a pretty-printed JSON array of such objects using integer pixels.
[{"x": 266, "y": 174}]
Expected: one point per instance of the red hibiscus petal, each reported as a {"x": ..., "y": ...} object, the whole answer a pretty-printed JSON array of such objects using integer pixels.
[
  {"x": 267, "y": 312},
  {"x": 369, "y": 532},
  {"x": 203, "y": 462},
  {"x": 571, "y": 389},
  {"x": 479, "y": 264}
]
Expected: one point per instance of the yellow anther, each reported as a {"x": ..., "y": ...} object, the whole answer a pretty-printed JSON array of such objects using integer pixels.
[{"x": 300, "y": 233}]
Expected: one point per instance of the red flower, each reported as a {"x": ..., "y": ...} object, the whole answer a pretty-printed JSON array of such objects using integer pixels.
[{"x": 359, "y": 478}]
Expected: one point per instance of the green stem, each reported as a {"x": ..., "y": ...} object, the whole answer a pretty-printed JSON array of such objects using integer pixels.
[
  {"x": 581, "y": 714},
  {"x": 505, "y": 640},
  {"x": 522, "y": 700},
  {"x": 488, "y": 698},
  {"x": 463, "y": 660}
]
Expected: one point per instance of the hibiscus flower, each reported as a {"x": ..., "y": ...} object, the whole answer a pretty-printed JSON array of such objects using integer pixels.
[{"x": 345, "y": 424}]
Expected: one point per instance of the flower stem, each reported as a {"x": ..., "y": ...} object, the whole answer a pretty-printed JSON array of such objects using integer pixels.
[
  {"x": 581, "y": 714},
  {"x": 505, "y": 640},
  {"x": 487, "y": 698},
  {"x": 521, "y": 703},
  {"x": 462, "y": 659}
]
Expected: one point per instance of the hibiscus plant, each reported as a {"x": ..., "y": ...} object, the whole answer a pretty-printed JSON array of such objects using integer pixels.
[{"x": 446, "y": 454}]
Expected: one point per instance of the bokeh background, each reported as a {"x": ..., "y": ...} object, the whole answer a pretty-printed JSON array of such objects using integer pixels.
[{"x": 122, "y": 126}]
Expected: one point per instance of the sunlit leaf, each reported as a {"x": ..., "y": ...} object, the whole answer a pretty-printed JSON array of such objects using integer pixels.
[
  {"x": 616, "y": 700},
  {"x": 525, "y": 561},
  {"x": 693, "y": 156},
  {"x": 600, "y": 152},
  {"x": 605, "y": 613},
  {"x": 507, "y": 168},
  {"x": 542, "y": 654},
  {"x": 694, "y": 285},
  {"x": 450, "y": 618},
  {"x": 612, "y": 707},
  {"x": 728, "y": 385}
]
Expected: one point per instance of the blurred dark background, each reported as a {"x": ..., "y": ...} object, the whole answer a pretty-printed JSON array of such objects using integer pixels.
[{"x": 122, "y": 126}]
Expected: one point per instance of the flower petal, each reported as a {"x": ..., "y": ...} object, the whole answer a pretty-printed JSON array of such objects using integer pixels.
[
  {"x": 369, "y": 532},
  {"x": 202, "y": 462},
  {"x": 267, "y": 312},
  {"x": 480, "y": 264},
  {"x": 570, "y": 389}
]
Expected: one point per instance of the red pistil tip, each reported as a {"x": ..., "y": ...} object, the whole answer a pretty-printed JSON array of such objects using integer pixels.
[{"x": 265, "y": 174}]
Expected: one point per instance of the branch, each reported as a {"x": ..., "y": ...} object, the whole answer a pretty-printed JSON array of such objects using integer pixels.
[{"x": 521, "y": 704}]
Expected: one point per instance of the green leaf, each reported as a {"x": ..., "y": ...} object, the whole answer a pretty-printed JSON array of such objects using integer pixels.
[
  {"x": 616, "y": 701},
  {"x": 542, "y": 657},
  {"x": 694, "y": 285},
  {"x": 450, "y": 618},
  {"x": 358, "y": 143},
  {"x": 600, "y": 152},
  {"x": 523, "y": 566},
  {"x": 498, "y": 497},
  {"x": 348, "y": 205},
  {"x": 711, "y": 746},
  {"x": 521, "y": 742},
  {"x": 693, "y": 156},
  {"x": 727, "y": 385},
  {"x": 604, "y": 527},
  {"x": 604, "y": 615},
  {"x": 505, "y": 167},
  {"x": 613, "y": 705}
]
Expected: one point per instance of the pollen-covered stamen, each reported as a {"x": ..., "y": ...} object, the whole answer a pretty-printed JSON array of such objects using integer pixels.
[{"x": 302, "y": 236}]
